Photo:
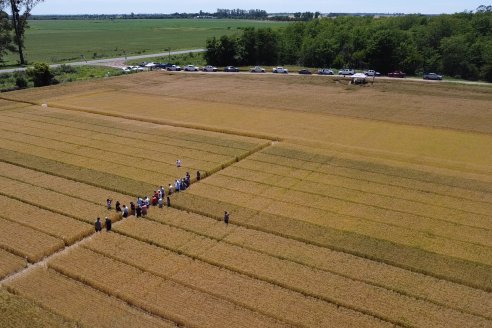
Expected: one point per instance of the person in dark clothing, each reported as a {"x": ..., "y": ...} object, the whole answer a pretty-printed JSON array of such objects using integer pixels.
[
  {"x": 226, "y": 217},
  {"x": 98, "y": 225},
  {"x": 188, "y": 179},
  {"x": 108, "y": 224},
  {"x": 125, "y": 211},
  {"x": 108, "y": 203},
  {"x": 168, "y": 201},
  {"x": 198, "y": 175},
  {"x": 139, "y": 211},
  {"x": 117, "y": 206},
  {"x": 132, "y": 208}
]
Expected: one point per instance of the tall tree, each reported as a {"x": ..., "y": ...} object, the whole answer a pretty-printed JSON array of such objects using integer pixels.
[
  {"x": 20, "y": 12},
  {"x": 5, "y": 36}
]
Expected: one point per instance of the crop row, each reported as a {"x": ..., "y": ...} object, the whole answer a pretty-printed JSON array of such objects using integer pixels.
[
  {"x": 229, "y": 144},
  {"x": 242, "y": 290},
  {"x": 458, "y": 179},
  {"x": 97, "y": 164},
  {"x": 20, "y": 312},
  {"x": 137, "y": 148},
  {"x": 80, "y": 303},
  {"x": 10, "y": 263},
  {"x": 91, "y": 177},
  {"x": 52, "y": 201},
  {"x": 154, "y": 294},
  {"x": 369, "y": 299},
  {"x": 332, "y": 184},
  {"x": 465, "y": 228},
  {"x": 418, "y": 260},
  {"x": 434, "y": 185},
  {"x": 26, "y": 242},
  {"x": 355, "y": 222},
  {"x": 53, "y": 224},
  {"x": 210, "y": 230}
]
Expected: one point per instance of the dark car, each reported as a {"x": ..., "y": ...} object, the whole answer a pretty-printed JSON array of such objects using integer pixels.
[
  {"x": 305, "y": 71},
  {"x": 399, "y": 74},
  {"x": 231, "y": 69},
  {"x": 163, "y": 65},
  {"x": 432, "y": 76}
]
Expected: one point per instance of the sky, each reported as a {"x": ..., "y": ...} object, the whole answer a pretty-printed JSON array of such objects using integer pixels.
[{"x": 51, "y": 7}]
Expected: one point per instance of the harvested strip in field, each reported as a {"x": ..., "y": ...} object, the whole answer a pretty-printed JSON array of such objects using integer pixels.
[
  {"x": 19, "y": 312},
  {"x": 53, "y": 224},
  {"x": 242, "y": 290},
  {"x": 153, "y": 149},
  {"x": 80, "y": 303},
  {"x": 76, "y": 173},
  {"x": 386, "y": 305},
  {"x": 444, "y": 267},
  {"x": 380, "y": 274},
  {"x": 10, "y": 263},
  {"x": 62, "y": 185},
  {"x": 53, "y": 201},
  {"x": 474, "y": 229},
  {"x": 103, "y": 165},
  {"x": 402, "y": 235},
  {"x": 27, "y": 242},
  {"x": 155, "y": 294}
]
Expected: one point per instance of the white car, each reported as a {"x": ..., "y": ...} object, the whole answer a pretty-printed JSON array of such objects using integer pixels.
[
  {"x": 346, "y": 71},
  {"x": 257, "y": 69},
  {"x": 372, "y": 72},
  {"x": 174, "y": 68},
  {"x": 136, "y": 68},
  {"x": 325, "y": 71},
  {"x": 127, "y": 69},
  {"x": 280, "y": 70},
  {"x": 209, "y": 68},
  {"x": 191, "y": 68}
]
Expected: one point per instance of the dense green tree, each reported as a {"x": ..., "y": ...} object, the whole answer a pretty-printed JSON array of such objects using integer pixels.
[
  {"x": 40, "y": 74},
  {"x": 5, "y": 36}
]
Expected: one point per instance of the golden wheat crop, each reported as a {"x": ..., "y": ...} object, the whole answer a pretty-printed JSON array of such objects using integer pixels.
[
  {"x": 242, "y": 290},
  {"x": 10, "y": 263},
  {"x": 27, "y": 242},
  {"x": 80, "y": 303},
  {"x": 168, "y": 299}
]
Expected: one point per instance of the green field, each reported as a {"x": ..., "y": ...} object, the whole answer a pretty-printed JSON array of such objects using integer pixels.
[{"x": 57, "y": 41}]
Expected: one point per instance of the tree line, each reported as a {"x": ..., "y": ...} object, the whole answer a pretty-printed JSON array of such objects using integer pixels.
[
  {"x": 458, "y": 45},
  {"x": 13, "y": 26}
]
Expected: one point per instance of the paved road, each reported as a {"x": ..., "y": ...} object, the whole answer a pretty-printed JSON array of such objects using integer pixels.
[{"x": 116, "y": 62}]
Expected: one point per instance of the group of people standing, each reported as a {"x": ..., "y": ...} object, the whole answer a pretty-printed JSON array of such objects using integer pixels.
[{"x": 140, "y": 209}]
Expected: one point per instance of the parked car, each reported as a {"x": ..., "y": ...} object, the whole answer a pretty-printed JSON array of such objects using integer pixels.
[
  {"x": 257, "y": 69},
  {"x": 173, "y": 68},
  {"x": 209, "y": 68},
  {"x": 432, "y": 76},
  {"x": 305, "y": 71},
  {"x": 164, "y": 65},
  {"x": 280, "y": 69},
  {"x": 126, "y": 69},
  {"x": 191, "y": 68},
  {"x": 399, "y": 74},
  {"x": 346, "y": 71},
  {"x": 372, "y": 72},
  {"x": 325, "y": 71},
  {"x": 137, "y": 68},
  {"x": 231, "y": 69}
]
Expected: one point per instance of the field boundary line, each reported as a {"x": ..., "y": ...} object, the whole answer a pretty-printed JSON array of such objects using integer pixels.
[{"x": 361, "y": 217}]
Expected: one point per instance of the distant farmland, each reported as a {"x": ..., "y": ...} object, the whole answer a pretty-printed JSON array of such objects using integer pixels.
[{"x": 66, "y": 40}]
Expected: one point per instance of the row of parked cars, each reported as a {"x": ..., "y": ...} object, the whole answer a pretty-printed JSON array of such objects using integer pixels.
[{"x": 277, "y": 70}]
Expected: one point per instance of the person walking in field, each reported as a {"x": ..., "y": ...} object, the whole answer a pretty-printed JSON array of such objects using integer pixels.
[
  {"x": 178, "y": 163},
  {"x": 98, "y": 225},
  {"x": 117, "y": 206},
  {"x": 144, "y": 211},
  {"x": 163, "y": 191},
  {"x": 138, "y": 211},
  {"x": 188, "y": 179},
  {"x": 226, "y": 217},
  {"x": 160, "y": 202},
  {"x": 108, "y": 224},
  {"x": 168, "y": 201},
  {"x": 170, "y": 189},
  {"x": 125, "y": 211},
  {"x": 108, "y": 203},
  {"x": 132, "y": 208},
  {"x": 198, "y": 175}
]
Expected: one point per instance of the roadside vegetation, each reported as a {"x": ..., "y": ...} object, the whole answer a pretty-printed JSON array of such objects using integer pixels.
[{"x": 458, "y": 45}]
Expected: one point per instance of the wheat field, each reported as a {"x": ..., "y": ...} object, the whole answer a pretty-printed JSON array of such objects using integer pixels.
[{"x": 349, "y": 207}]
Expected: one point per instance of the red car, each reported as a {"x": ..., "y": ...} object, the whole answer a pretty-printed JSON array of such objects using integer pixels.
[{"x": 397, "y": 74}]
